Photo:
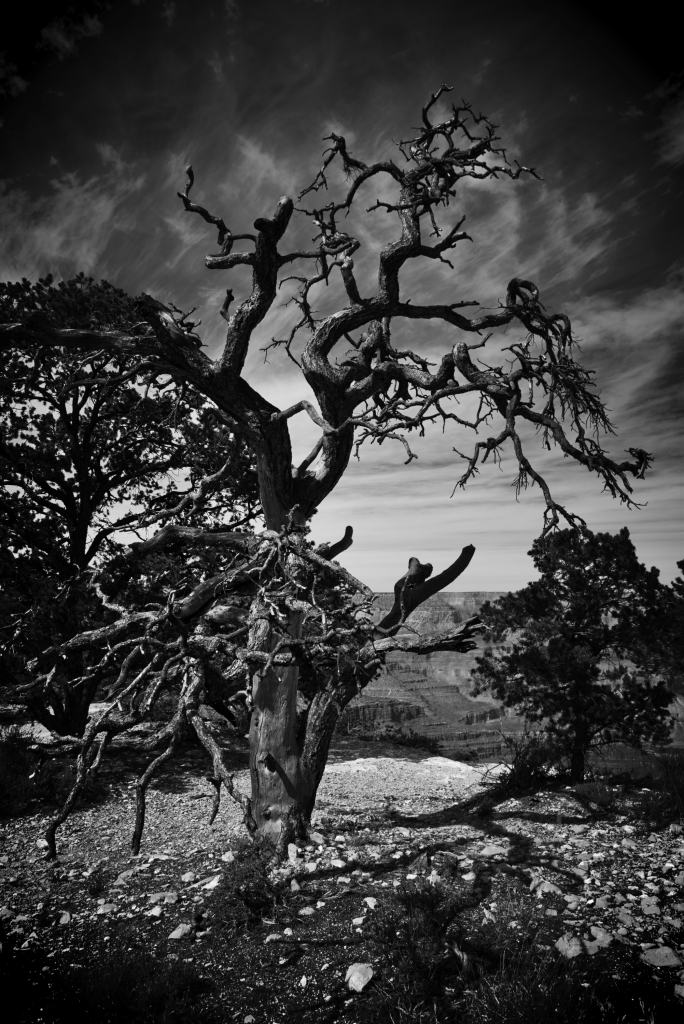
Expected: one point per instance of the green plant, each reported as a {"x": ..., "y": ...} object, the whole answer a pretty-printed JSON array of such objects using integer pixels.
[
  {"x": 574, "y": 646},
  {"x": 245, "y": 894},
  {"x": 536, "y": 760},
  {"x": 127, "y": 987},
  {"x": 18, "y": 766},
  {"x": 98, "y": 881},
  {"x": 663, "y": 801}
]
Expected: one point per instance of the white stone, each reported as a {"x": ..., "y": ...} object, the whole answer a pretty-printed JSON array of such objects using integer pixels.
[
  {"x": 292, "y": 853},
  {"x": 358, "y": 976},
  {"x": 569, "y": 946},
  {"x": 228, "y": 857},
  {"x": 661, "y": 956},
  {"x": 491, "y": 850},
  {"x": 181, "y": 932},
  {"x": 306, "y": 911},
  {"x": 213, "y": 883}
]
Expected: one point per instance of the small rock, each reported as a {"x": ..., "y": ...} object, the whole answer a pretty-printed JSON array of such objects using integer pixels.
[
  {"x": 182, "y": 932},
  {"x": 154, "y": 912},
  {"x": 356, "y": 921},
  {"x": 679, "y": 991},
  {"x": 249, "y": 1019},
  {"x": 189, "y": 876},
  {"x": 661, "y": 956},
  {"x": 65, "y": 917},
  {"x": 306, "y": 912},
  {"x": 371, "y": 902},
  {"x": 543, "y": 886},
  {"x": 492, "y": 850},
  {"x": 106, "y": 908},
  {"x": 337, "y": 863},
  {"x": 317, "y": 838},
  {"x": 469, "y": 876},
  {"x": 302, "y": 981},
  {"x": 292, "y": 853},
  {"x": 42, "y": 844},
  {"x": 213, "y": 883},
  {"x": 294, "y": 885},
  {"x": 271, "y": 937},
  {"x": 358, "y": 976},
  {"x": 569, "y": 946},
  {"x": 123, "y": 877},
  {"x": 601, "y": 936},
  {"x": 163, "y": 897},
  {"x": 228, "y": 857}
]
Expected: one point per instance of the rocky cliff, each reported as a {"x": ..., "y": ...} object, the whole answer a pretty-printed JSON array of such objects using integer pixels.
[{"x": 432, "y": 695}]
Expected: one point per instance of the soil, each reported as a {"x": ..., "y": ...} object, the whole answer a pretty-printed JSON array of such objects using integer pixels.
[{"x": 389, "y": 820}]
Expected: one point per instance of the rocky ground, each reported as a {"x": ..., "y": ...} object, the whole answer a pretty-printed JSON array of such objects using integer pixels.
[{"x": 597, "y": 886}]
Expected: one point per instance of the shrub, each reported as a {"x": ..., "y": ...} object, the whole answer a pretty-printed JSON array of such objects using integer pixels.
[
  {"x": 664, "y": 801},
  {"x": 18, "y": 767},
  {"x": 536, "y": 760},
  {"x": 245, "y": 894},
  {"x": 125, "y": 988}
]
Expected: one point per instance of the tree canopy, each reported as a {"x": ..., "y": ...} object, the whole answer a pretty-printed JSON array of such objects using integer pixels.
[
  {"x": 279, "y": 628},
  {"x": 575, "y": 645},
  {"x": 87, "y": 450}
]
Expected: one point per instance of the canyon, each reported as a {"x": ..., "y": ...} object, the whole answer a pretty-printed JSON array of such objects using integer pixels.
[{"x": 431, "y": 696}]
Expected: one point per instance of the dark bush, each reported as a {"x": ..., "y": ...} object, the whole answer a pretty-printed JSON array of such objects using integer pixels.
[
  {"x": 121, "y": 988},
  {"x": 663, "y": 802},
  {"x": 535, "y": 761},
  {"x": 18, "y": 771},
  {"x": 245, "y": 895}
]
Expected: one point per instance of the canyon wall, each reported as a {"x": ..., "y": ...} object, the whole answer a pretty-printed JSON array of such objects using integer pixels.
[{"x": 431, "y": 695}]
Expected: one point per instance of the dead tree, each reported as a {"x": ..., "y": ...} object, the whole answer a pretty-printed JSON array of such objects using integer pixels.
[{"x": 282, "y": 638}]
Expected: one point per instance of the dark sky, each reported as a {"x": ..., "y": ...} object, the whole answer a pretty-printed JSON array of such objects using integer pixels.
[{"x": 105, "y": 104}]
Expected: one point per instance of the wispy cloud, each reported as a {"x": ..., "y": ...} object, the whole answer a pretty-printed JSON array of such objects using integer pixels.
[
  {"x": 11, "y": 82},
  {"x": 63, "y": 34},
  {"x": 65, "y": 230},
  {"x": 672, "y": 132}
]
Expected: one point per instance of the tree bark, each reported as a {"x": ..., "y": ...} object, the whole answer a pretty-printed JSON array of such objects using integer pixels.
[{"x": 280, "y": 788}]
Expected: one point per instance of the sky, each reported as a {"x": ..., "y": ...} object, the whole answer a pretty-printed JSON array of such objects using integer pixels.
[{"x": 103, "y": 104}]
